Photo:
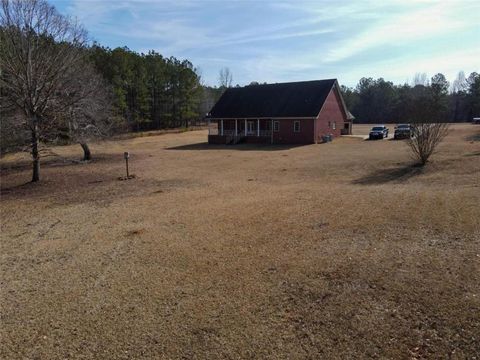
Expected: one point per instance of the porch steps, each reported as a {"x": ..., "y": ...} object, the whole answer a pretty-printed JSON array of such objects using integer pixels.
[
  {"x": 232, "y": 139},
  {"x": 238, "y": 139}
]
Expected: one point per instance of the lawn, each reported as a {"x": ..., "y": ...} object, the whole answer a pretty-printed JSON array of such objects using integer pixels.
[{"x": 338, "y": 250}]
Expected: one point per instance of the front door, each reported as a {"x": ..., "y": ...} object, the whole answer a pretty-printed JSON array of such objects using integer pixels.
[{"x": 251, "y": 127}]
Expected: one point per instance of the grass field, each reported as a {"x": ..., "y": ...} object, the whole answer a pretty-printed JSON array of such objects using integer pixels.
[{"x": 338, "y": 250}]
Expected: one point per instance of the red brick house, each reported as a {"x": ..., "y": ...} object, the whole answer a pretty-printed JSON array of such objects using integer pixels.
[{"x": 285, "y": 113}]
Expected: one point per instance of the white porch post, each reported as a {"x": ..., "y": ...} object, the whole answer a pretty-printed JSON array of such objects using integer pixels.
[
  {"x": 236, "y": 127},
  {"x": 258, "y": 127},
  {"x": 271, "y": 132},
  {"x": 245, "y": 127},
  {"x": 221, "y": 127}
]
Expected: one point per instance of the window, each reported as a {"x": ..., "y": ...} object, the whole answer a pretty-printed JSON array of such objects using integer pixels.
[
  {"x": 276, "y": 126},
  {"x": 296, "y": 126},
  {"x": 329, "y": 124},
  {"x": 334, "y": 125}
]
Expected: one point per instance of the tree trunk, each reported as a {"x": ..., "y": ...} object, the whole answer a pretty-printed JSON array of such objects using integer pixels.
[
  {"x": 87, "y": 155},
  {"x": 35, "y": 154}
]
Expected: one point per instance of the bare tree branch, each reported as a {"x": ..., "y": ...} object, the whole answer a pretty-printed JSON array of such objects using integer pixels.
[{"x": 45, "y": 72}]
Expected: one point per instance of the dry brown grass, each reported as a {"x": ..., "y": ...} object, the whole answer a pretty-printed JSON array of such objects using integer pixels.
[{"x": 339, "y": 250}]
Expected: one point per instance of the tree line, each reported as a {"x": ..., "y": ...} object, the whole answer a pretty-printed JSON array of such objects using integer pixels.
[
  {"x": 151, "y": 91},
  {"x": 381, "y": 101}
]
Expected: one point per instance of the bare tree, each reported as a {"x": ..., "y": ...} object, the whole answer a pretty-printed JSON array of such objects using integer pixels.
[
  {"x": 90, "y": 117},
  {"x": 420, "y": 79},
  {"x": 428, "y": 122},
  {"x": 426, "y": 137},
  {"x": 460, "y": 83},
  {"x": 40, "y": 53},
  {"x": 91, "y": 121},
  {"x": 225, "y": 78}
]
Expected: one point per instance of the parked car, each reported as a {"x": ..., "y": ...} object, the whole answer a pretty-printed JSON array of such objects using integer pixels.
[
  {"x": 378, "y": 132},
  {"x": 402, "y": 131}
]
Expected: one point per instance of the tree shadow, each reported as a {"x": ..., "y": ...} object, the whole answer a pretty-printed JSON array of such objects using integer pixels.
[
  {"x": 58, "y": 161},
  {"x": 19, "y": 187},
  {"x": 384, "y": 176},
  {"x": 239, "y": 147},
  {"x": 476, "y": 153},
  {"x": 474, "y": 137}
]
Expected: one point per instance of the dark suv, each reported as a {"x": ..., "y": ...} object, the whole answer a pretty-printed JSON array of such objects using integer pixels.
[
  {"x": 402, "y": 131},
  {"x": 378, "y": 132}
]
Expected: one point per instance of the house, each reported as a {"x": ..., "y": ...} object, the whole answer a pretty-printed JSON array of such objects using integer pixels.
[{"x": 285, "y": 113}]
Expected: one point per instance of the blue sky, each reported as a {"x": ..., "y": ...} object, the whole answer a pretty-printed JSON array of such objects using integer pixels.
[{"x": 277, "y": 41}]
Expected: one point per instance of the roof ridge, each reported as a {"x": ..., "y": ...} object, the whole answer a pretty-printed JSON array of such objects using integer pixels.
[{"x": 285, "y": 83}]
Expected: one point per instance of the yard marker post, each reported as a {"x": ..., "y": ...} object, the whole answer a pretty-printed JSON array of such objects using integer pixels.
[{"x": 126, "y": 155}]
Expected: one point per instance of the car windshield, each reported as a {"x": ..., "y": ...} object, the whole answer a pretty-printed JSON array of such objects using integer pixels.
[
  {"x": 377, "y": 128},
  {"x": 403, "y": 126}
]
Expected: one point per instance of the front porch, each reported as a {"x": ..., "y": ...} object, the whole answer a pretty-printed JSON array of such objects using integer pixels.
[{"x": 234, "y": 131}]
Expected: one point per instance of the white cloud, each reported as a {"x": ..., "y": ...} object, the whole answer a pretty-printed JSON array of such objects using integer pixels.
[
  {"x": 398, "y": 30},
  {"x": 284, "y": 40}
]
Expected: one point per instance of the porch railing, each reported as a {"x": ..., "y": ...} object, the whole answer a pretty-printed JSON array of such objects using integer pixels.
[
  {"x": 227, "y": 132},
  {"x": 265, "y": 132},
  {"x": 213, "y": 131}
]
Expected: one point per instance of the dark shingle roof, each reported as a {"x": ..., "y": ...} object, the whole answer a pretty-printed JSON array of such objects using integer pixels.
[{"x": 294, "y": 99}]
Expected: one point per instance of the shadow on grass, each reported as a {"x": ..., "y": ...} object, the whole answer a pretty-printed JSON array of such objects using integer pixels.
[
  {"x": 240, "y": 147},
  {"x": 385, "y": 139},
  {"x": 474, "y": 137},
  {"x": 477, "y": 153},
  {"x": 57, "y": 161},
  {"x": 20, "y": 187},
  {"x": 385, "y": 176}
]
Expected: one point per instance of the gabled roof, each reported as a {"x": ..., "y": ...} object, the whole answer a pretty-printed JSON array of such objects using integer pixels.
[{"x": 284, "y": 100}]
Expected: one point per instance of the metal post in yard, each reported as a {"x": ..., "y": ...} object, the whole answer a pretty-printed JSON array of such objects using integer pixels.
[{"x": 126, "y": 155}]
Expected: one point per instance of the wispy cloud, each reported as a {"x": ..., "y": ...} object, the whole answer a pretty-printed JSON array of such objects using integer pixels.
[
  {"x": 402, "y": 29},
  {"x": 284, "y": 40}
]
